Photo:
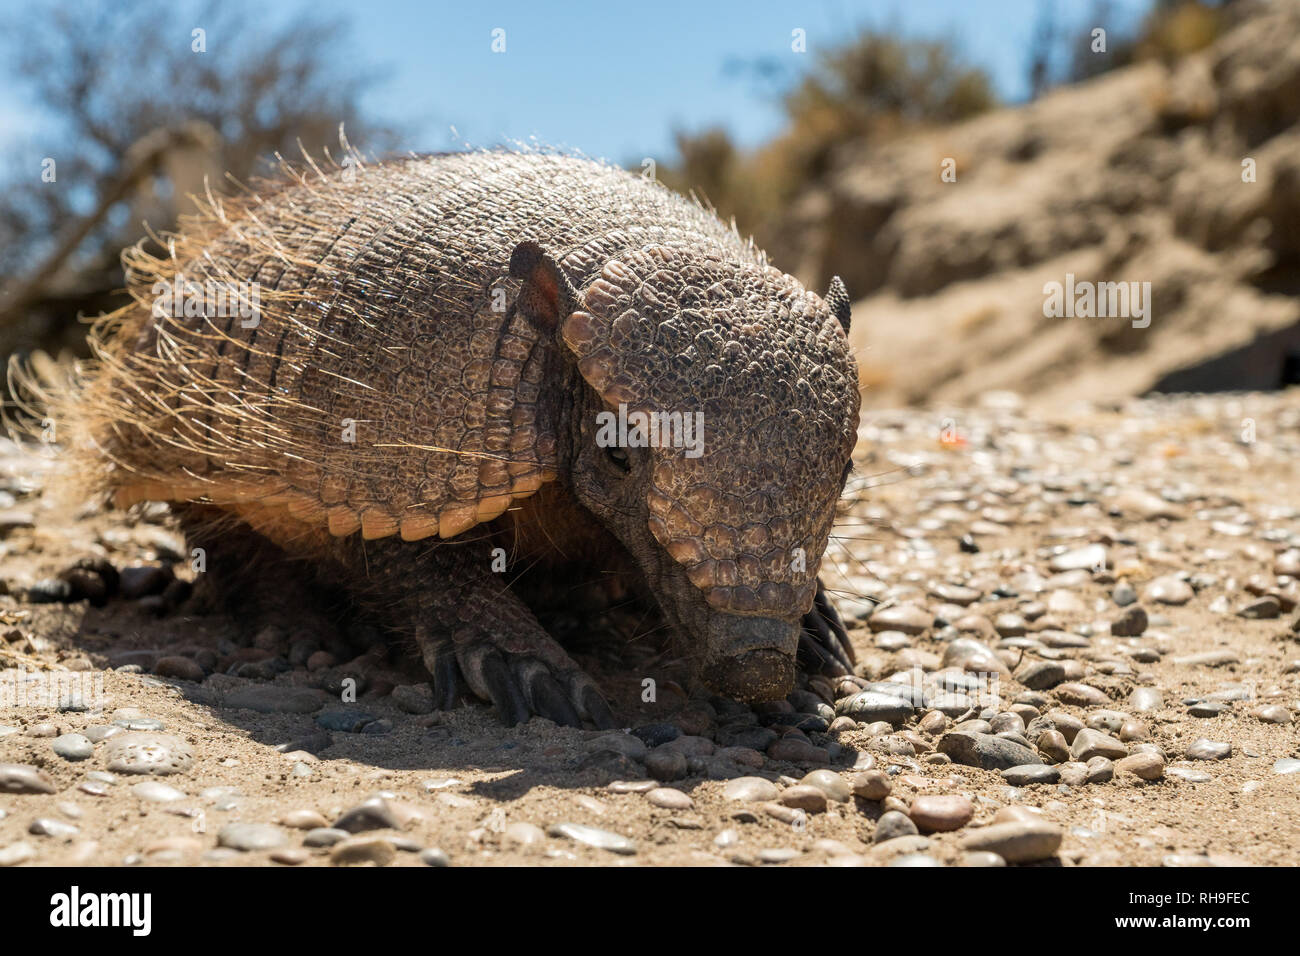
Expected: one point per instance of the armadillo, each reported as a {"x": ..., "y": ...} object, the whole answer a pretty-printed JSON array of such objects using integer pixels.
[{"x": 423, "y": 387}]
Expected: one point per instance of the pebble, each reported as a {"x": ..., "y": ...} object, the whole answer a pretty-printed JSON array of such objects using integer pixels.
[
  {"x": 870, "y": 706},
  {"x": 1031, "y": 775},
  {"x": 1286, "y": 765},
  {"x": 1273, "y": 714},
  {"x": 666, "y": 765},
  {"x": 1081, "y": 695},
  {"x": 23, "y": 778},
  {"x": 1093, "y": 743},
  {"x": 432, "y": 856},
  {"x": 803, "y": 797},
  {"x": 1207, "y": 659},
  {"x": 794, "y": 750},
  {"x": 871, "y": 784},
  {"x": 48, "y": 826},
  {"x": 1168, "y": 590},
  {"x": 524, "y": 834},
  {"x": 1052, "y": 745},
  {"x": 303, "y": 820},
  {"x": 1042, "y": 675},
  {"x": 16, "y": 853},
  {"x": 324, "y": 836},
  {"x": 1081, "y": 559},
  {"x": 750, "y": 790},
  {"x": 980, "y": 858},
  {"x": 985, "y": 751},
  {"x": 1205, "y": 749},
  {"x": 1189, "y": 775},
  {"x": 1145, "y": 766},
  {"x": 1016, "y": 842},
  {"x": 591, "y": 836},
  {"x": 248, "y": 837},
  {"x": 670, "y": 799},
  {"x": 153, "y": 753},
  {"x": 892, "y": 825},
  {"x": 834, "y": 786},
  {"x": 290, "y": 856},
  {"x": 155, "y": 791},
  {"x": 180, "y": 668},
  {"x": 73, "y": 746},
  {"x": 279, "y": 699},
  {"x": 907, "y": 618},
  {"x": 1132, "y": 623},
  {"x": 940, "y": 813},
  {"x": 359, "y": 850}
]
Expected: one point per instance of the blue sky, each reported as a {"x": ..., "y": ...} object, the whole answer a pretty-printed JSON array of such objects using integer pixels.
[{"x": 615, "y": 79}]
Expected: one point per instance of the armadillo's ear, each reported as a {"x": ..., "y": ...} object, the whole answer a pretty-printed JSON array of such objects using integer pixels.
[
  {"x": 546, "y": 297},
  {"x": 837, "y": 298}
]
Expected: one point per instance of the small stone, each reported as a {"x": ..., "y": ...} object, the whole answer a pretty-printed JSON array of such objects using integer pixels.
[
  {"x": 434, "y": 857},
  {"x": 1205, "y": 749},
  {"x": 1018, "y": 842},
  {"x": 1266, "y": 608},
  {"x": 1031, "y": 775},
  {"x": 1207, "y": 659},
  {"x": 360, "y": 850},
  {"x": 1053, "y": 746},
  {"x": 907, "y": 618},
  {"x": 591, "y": 836},
  {"x": 373, "y": 814},
  {"x": 248, "y": 837},
  {"x": 1087, "y": 558},
  {"x": 1168, "y": 590},
  {"x": 666, "y": 765},
  {"x": 1123, "y": 595},
  {"x": 830, "y": 783},
  {"x": 980, "y": 858},
  {"x": 290, "y": 856},
  {"x": 142, "y": 752},
  {"x": 73, "y": 746},
  {"x": 1100, "y": 770},
  {"x": 1132, "y": 623},
  {"x": 1093, "y": 743},
  {"x": 57, "y": 829},
  {"x": 303, "y": 820},
  {"x": 1286, "y": 765},
  {"x": 22, "y": 778},
  {"x": 869, "y": 706},
  {"x": 16, "y": 853},
  {"x": 1146, "y": 766},
  {"x": 750, "y": 790},
  {"x": 1207, "y": 708},
  {"x": 941, "y": 813},
  {"x": 155, "y": 791},
  {"x": 985, "y": 750},
  {"x": 1041, "y": 675},
  {"x": 1081, "y": 695},
  {"x": 324, "y": 836},
  {"x": 1273, "y": 714},
  {"x": 670, "y": 799},
  {"x": 892, "y": 825},
  {"x": 180, "y": 668},
  {"x": 795, "y": 750},
  {"x": 806, "y": 798},
  {"x": 871, "y": 784}
]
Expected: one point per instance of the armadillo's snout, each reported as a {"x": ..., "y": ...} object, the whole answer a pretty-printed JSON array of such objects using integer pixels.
[{"x": 751, "y": 659}]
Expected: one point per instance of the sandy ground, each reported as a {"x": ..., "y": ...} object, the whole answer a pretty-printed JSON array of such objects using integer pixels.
[{"x": 1202, "y": 488}]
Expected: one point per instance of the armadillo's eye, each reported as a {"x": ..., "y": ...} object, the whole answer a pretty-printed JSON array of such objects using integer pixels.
[{"x": 618, "y": 457}]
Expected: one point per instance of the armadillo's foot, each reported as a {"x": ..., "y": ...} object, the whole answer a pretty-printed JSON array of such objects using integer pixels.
[
  {"x": 824, "y": 646},
  {"x": 520, "y": 682}
]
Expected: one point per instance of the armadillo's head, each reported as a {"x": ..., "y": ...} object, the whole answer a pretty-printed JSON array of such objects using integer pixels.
[{"x": 712, "y": 438}]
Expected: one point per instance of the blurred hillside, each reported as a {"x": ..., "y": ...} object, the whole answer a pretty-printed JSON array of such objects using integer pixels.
[{"x": 1141, "y": 174}]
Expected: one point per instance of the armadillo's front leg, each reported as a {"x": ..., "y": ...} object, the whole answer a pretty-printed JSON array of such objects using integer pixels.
[
  {"x": 469, "y": 625},
  {"x": 824, "y": 646}
]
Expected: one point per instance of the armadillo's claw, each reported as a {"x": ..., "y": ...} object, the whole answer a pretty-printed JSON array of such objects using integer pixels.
[
  {"x": 824, "y": 646},
  {"x": 446, "y": 676},
  {"x": 545, "y": 695},
  {"x": 597, "y": 710},
  {"x": 494, "y": 673}
]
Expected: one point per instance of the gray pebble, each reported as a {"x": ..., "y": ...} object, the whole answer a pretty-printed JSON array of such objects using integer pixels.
[
  {"x": 251, "y": 836},
  {"x": 160, "y": 754},
  {"x": 591, "y": 836},
  {"x": 73, "y": 746}
]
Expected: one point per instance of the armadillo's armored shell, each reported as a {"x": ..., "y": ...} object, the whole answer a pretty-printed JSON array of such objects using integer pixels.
[
  {"x": 381, "y": 384},
  {"x": 766, "y": 365}
]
